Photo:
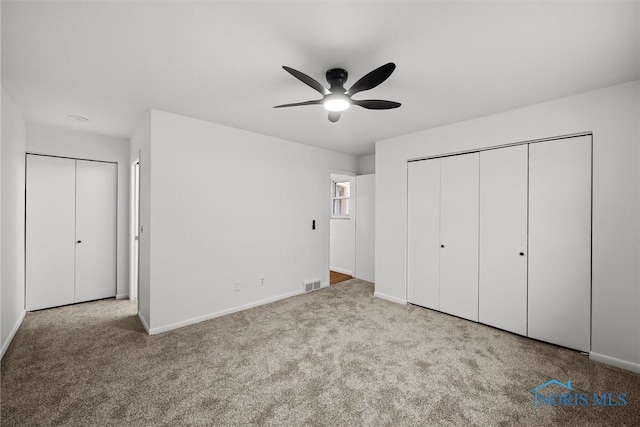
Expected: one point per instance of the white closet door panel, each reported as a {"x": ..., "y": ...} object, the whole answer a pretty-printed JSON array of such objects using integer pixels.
[
  {"x": 96, "y": 229},
  {"x": 502, "y": 288},
  {"x": 560, "y": 242},
  {"x": 50, "y": 229},
  {"x": 459, "y": 235},
  {"x": 424, "y": 233}
]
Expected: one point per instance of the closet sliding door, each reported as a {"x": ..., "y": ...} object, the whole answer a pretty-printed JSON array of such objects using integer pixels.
[
  {"x": 459, "y": 194},
  {"x": 512, "y": 228},
  {"x": 95, "y": 230},
  {"x": 423, "y": 269},
  {"x": 502, "y": 290},
  {"x": 560, "y": 242},
  {"x": 50, "y": 229}
]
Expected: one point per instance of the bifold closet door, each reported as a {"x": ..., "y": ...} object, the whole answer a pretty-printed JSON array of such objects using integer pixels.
[
  {"x": 560, "y": 242},
  {"x": 70, "y": 231},
  {"x": 459, "y": 182},
  {"x": 502, "y": 288},
  {"x": 96, "y": 200},
  {"x": 50, "y": 229},
  {"x": 423, "y": 268}
]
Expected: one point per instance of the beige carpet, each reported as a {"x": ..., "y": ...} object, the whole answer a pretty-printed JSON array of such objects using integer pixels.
[{"x": 335, "y": 357}]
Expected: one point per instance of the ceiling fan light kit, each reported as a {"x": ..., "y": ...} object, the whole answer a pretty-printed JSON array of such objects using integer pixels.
[
  {"x": 336, "y": 102},
  {"x": 337, "y": 99}
]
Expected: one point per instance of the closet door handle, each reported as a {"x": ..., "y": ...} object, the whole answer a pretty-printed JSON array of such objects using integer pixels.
[
  {"x": 442, "y": 246},
  {"x": 79, "y": 241},
  {"x": 521, "y": 253}
]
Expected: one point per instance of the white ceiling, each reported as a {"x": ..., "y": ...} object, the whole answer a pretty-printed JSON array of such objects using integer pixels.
[{"x": 221, "y": 61}]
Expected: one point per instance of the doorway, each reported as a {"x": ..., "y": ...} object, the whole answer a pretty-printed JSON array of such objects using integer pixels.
[{"x": 342, "y": 228}]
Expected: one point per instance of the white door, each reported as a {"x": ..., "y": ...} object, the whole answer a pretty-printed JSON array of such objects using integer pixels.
[
  {"x": 502, "y": 288},
  {"x": 96, "y": 199},
  {"x": 459, "y": 235},
  {"x": 365, "y": 227},
  {"x": 135, "y": 231},
  {"x": 50, "y": 229},
  {"x": 423, "y": 268},
  {"x": 560, "y": 242}
]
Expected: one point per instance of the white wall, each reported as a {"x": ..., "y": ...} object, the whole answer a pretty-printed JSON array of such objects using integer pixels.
[
  {"x": 342, "y": 232},
  {"x": 365, "y": 227},
  {"x": 55, "y": 141},
  {"x": 367, "y": 164},
  {"x": 229, "y": 205},
  {"x": 612, "y": 115},
  {"x": 13, "y": 173},
  {"x": 141, "y": 149}
]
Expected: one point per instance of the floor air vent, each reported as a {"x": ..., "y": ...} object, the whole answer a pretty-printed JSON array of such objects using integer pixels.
[{"x": 311, "y": 285}]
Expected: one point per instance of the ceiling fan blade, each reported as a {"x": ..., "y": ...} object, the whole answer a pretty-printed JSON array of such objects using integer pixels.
[
  {"x": 334, "y": 116},
  {"x": 372, "y": 79},
  {"x": 297, "y": 104},
  {"x": 376, "y": 104},
  {"x": 309, "y": 81}
]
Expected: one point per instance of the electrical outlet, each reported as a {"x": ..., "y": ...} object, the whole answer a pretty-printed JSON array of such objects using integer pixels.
[
  {"x": 236, "y": 286},
  {"x": 262, "y": 281}
]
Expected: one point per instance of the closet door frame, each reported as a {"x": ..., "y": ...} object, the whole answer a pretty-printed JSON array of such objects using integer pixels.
[
  {"x": 494, "y": 147},
  {"x": 116, "y": 207}
]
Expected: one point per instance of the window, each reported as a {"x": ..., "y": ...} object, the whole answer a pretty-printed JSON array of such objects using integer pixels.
[{"x": 341, "y": 193}]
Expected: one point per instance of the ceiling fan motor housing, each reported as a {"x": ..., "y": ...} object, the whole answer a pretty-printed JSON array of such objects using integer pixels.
[{"x": 337, "y": 77}]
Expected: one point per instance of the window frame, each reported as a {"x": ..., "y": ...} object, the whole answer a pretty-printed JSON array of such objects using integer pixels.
[{"x": 334, "y": 185}]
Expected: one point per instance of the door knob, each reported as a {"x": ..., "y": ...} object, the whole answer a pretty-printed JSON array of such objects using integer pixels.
[
  {"x": 442, "y": 246},
  {"x": 79, "y": 241},
  {"x": 521, "y": 253}
]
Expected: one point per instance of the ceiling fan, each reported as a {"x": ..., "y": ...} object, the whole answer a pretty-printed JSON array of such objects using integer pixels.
[{"x": 337, "y": 99}]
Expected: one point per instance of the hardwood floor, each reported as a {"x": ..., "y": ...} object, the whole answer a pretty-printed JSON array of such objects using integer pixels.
[{"x": 335, "y": 277}]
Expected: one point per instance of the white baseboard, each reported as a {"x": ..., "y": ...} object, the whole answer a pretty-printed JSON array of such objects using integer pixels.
[
  {"x": 144, "y": 323},
  {"x": 390, "y": 298},
  {"x": 122, "y": 296},
  {"x": 341, "y": 270},
  {"x": 324, "y": 285},
  {"x": 619, "y": 363},
  {"x": 220, "y": 313},
  {"x": 6, "y": 344}
]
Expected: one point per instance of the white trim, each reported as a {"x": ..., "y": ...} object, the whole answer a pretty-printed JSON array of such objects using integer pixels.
[
  {"x": 507, "y": 145},
  {"x": 390, "y": 298},
  {"x": 341, "y": 270},
  {"x": 6, "y": 344},
  {"x": 624, "y": 364},
  {"x": 122, "y": 296},
  {"x": 324, "y": 285},
  {"x": 134, "y": 264},
  {"x": 144, "y": 323},
  {"x": 220, "y": 313}
]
